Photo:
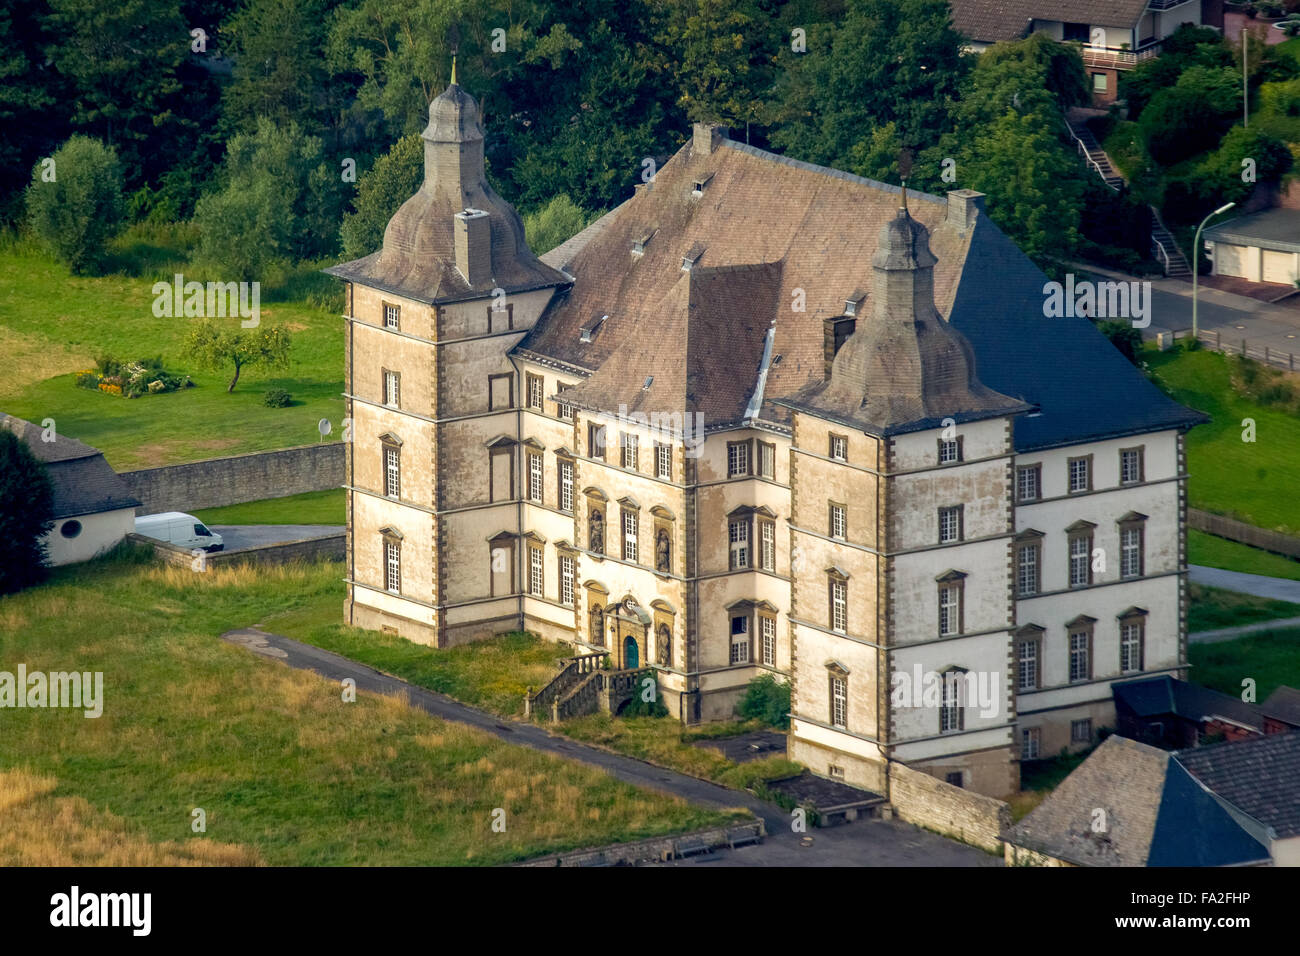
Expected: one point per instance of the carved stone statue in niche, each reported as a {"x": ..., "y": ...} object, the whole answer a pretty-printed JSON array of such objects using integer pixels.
[
  {"x": 665, "y": 642},
  {"x": 597, "y": 525},
  {"x": 663, "y": 551}
]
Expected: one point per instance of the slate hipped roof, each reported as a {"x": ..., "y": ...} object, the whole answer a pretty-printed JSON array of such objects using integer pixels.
[
  {"x": 1259, "y": 776},
  {"x": 418, "y": 257},
  {"x": 1153, "y": 813},
  {"x": 83, "y": 481},
  {"x": 1284, "y": 705},
  {"x": 1157, "y": 696}
]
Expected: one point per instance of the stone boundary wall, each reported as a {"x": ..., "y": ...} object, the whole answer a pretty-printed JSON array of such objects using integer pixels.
[
  {"x": 217, "y": 482},
  {"x": 961, "y": 814},
  {"x": 1243, "y": 533},
  {"x": 329, "y": 548},
  {"x": 656, "y": 848}
]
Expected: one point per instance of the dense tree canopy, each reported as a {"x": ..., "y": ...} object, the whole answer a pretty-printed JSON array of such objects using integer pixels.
[
  {"x": 26, "y": 506},
  {"x": 74, "y": 202}
]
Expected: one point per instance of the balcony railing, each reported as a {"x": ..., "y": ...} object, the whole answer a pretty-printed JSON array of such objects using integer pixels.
[{"x": 1119, "y": 59}]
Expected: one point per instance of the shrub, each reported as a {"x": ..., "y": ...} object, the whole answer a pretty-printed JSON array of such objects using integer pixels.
[
  {"x": 277, "y": 398},
  {"x": 767, "y": 700},
  {"x": 1124, "y": 337},
  {"x": 77, "y": 212},
  {"x": 638, "y": 706}
]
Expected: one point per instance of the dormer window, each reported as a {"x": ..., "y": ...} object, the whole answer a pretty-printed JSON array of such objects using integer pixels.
[
  {"x": 692, "y": 257},
  {"x": 854, "y": 302},
  {"x": 589, "y": 329},
  {"x": 701, "y": 185},
  {"x": 639, "y": 244}
]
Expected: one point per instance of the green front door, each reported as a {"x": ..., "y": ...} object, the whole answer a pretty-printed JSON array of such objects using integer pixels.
[{"x": 630, "y": 658}]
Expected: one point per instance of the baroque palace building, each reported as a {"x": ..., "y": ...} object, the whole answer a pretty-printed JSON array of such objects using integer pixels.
[{"x": 735, "y": 428}]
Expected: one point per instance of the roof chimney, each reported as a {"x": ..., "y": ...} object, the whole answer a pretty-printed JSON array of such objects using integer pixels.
[
  {"x": 474, "y": 246},
  {"x": 706, "y": 138},
  {"x": 964, "y": 205}
]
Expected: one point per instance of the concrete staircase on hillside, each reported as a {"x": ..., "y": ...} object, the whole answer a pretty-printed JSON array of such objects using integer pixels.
[{"x": 1163, "y": 247}]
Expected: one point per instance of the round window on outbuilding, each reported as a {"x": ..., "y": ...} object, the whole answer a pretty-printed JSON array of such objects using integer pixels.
[{"x": 70, "y": 529}]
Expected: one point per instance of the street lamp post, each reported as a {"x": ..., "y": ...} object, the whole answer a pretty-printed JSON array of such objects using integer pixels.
[{"x": 1196, "y": 262}]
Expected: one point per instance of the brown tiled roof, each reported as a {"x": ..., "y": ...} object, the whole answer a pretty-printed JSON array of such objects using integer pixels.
[
  {"x": 819, "y": 225},
  {"x": 699, "y": 347},
  {"x": 904, "y": 367},
  {"x": 418, "y": 258},
  {"x": 990, "y": 21}
]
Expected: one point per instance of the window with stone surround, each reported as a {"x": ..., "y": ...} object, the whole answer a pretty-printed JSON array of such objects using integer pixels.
[
  {"x": 1029, "y": 652},
  {"x": 839, "y": 698},
  {"x": 951, "y": 713},
  {"x": 392, "y": 316},
  {"x": 1080, "y": 474},
  {"x": 1132, "y": 640},
  {"x": 767, "y": 544},
  {"x": 1132, "y": 559},
  {"x": 392, "y": 565},
  {"x": 562, "y": 409},
  {"x": 501, "y": 392},
  {"x": 838, "y": 523},
  {"x": 767, "y": 460},
  {"x": 951, "y": 591},
  {"x": 535, "y": 478},
  {"x": 737, "y": 459},
  {"x": 596, "y": 442},
  {"x": 630, "y": 446},
  {"x": 1029, "y": 741},
  {"x": 950, "y": 524},
  {"x": 1029, "y": 483},
  {"x": 664, "y": 460},
  {"x": 839, "y": 448},
  {"x": 1081, "y": 731},
  {"x": 566, "y": 579},
  {"x": 738, "y": 539},
  {"x": 739, "y": 639},
  {"x": 1029, "y": 560},
  {"x": 1131, "y": 466},
  {"x": 536, "y": 392},
  {"x": 839, "y": 603},
  {"x": 950, "y": 450},
  {"x": 536, "y": 579},
  {"x": 392, "y": 469},
  {"x": 392, "y": 388},
  {"x": 1080, "y": 632},
  {"x": 1079, "y": 538},
  {"x": 767, "y": 626},
  {"x": 631, "y": 548},
  {"x": 565, "y": 469}
]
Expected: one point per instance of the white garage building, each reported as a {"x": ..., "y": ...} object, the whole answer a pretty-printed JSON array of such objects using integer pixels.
[
  {"x": 93, "y": 509},
  {"x": 1261, "y": 247}
]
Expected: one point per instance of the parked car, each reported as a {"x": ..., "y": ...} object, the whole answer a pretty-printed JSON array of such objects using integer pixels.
[{"x": 180, "y": 529}]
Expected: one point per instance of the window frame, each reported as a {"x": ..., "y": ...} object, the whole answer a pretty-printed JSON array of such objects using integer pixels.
[
  {"x": 567, "y": 576},
  {"x": 536, "y": 478},
  {"x": 952, "y": 712},
  {"x": 839, "y": 700},
  {"x": 392, "y": 388},
  {"x": 767, "y": 639},
  {"x": 958, "y": 512},
  {"x": 597, "y": 442},
  {"x": 392, "y": 565},
  {"x": 1133, "y": 526},
  {"x": 535, "y": 385},
  {"x": 838, "y": 443},
  {"x": 1084, "y": 536},
  {"x": 1133, "y": 619},
  {"x": 838, "y": 606},
  {"x": 956, "y": 443},
  {"x": 1140, "y": 452},
  {"x": 1037, "y": 472},
  {"x": 1029, "y": 636},
  {"x": 1032, "y": 546},
  {"x": 1085, "y": 631},
  {"x": 739, "y": 543},
  {"x": 736, "y": 450},
  {"x": 766, "y": 544},
  {"x": 835, "y": 510},
  {"x": 956, "y": 586},
  {"x": 1030, "y": 743},
  {"x": 392, "y": 463},
  {"x": 395, "y": 311},
  {"x": 766, "y": 464},
  {"x": 510, "y": 392},
  {"x": 536, "y": 571},
  {"x": 564, "y": 492},
  {"x": 664, "y": 460},
  {"x": 1086, "y": 462},
  {"x": 629, "y": 446},
  {"x": 631, "y": 539}
]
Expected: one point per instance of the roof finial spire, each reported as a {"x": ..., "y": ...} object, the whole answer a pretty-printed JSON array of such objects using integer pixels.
[
  {"x": 904, "y": 195},
  {"x": 453, "y": 69},
  {"x": 905, "y": 157}
]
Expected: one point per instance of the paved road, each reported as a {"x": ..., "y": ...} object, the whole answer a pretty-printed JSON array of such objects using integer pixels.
[
  {"x": 1279, "y": 589},
  {"x": 865, "y": 843},
  {"x": 1232, "y": 633},
  {"x": 239, "y": 537}
]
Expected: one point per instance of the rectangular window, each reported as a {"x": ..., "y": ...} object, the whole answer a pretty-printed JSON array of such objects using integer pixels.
[
  {"x": 535, "y": 577},
  {"x": 1080, "y": 474},
  {"x": 839, "y": 606},
  {"x": 737, "y": 459},
  {"x": 1081, "y": 731},
  {"x": 740, "y": 639},
  {"x": 839, "y": 448},
  {"x": 1080, "y": 560},
  {"x": 392, "y": 389},
  {"x": 392, "y": 316},
  {"x": 535, "y": 478},
  {"x": 566, "y": 486},
  {"x": 1029, "y": 483},
  {"x": 1130, "y": 647},
  {"x": 768, "y": 625},
  {"x": 767, "y": 553},
  {"x": 949, "y": 610},
  {"x": 393, "y": 567},
  {"x": 949, "y": 450},
  {"x": 1027, "y": 665},
  {"x": 596, "y": 441},
  {"x": 950, "y": 524},
  {"x": 1080, "y": 666},
  {"x": 564, "y": 411},
  {"x": 631, "y": 449},
  {"x": 1130, "y": 552},
  {"x": 1130, "y": 466},
  {"x": 838, "y": 522},
  {"x": 664, "y": 461},
  {"x": 839, "y": 702},
  {"x": 392, "y": 471},
  {"x": 630, "y": 549},
  {"x": 738, "y": 537},
  {"x": 536, "y": 392},
  {"x": 767, "y": 460},
  {"x": 1027, "y": 580},
  {"x": 1029, "y": 743},
  {"x": 566, "y": 580},
  {"x": 1099, "y": 83},
  {"x": 950, "y": 714}
]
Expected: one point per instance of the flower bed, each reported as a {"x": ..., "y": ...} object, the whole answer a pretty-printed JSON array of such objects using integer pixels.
[{"x": 131, "y": 379}]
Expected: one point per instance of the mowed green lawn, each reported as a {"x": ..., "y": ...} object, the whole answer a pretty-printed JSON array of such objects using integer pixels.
[
  {"x": 312, "y": 507},
  {"x": 1255, "y": 481},
  {"x": 281, "y": 765},
  {"x": 1213, "y": 552},
  {"x": 1269, "y": 658},
  {"x": 54, "y": 324}
]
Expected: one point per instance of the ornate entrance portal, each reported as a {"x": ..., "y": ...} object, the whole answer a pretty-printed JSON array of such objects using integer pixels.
[
  {"x": 631, "y": 657},
  {"x": 629, "y": 626}
]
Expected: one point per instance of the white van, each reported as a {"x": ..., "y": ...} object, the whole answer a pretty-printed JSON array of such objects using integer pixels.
[{"x": 180, "y": 529}]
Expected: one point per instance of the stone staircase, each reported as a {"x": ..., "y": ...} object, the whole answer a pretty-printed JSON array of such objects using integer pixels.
[
  {"x": 1163, "y": 247},
  {"x": 584, "y": 687}
]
